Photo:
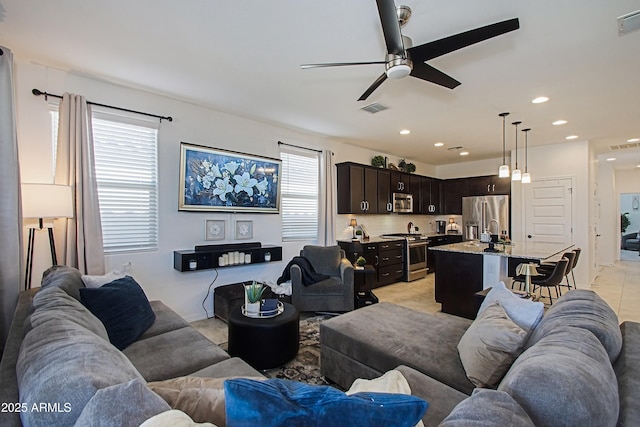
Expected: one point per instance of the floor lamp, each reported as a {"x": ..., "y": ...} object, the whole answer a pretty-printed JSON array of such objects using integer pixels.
[{"x": 44, "y": 201}]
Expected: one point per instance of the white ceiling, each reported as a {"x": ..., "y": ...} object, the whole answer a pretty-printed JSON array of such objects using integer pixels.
[{"x": 244, "y": 57}]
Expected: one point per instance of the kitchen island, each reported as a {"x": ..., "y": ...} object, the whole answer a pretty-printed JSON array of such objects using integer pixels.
[{"x": 466, "y": 268}]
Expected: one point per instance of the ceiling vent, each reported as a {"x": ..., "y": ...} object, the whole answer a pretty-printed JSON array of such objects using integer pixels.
[
  {"x": 629, "y": 22},
  {"x": 624, "y": 146},
  {"x": 374, "y": 108},
  {"x": 459, "y": 147}
]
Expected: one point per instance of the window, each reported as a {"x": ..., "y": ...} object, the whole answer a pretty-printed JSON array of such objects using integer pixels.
[
  {"x": 299, "y": 194},
  {"x": 125, "y": 152}
]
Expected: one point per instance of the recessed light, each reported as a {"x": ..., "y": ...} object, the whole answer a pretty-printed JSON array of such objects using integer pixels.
[
  {"x": 540, "y": 100},
  {"x": 638, "y": 166},
  {"x": 438, "y": 144},
  {"x": 610, "y": 159},
  {"x": 633, "y": 140},
  {"x": 405, "y": 132},
  {"x": 464, "y": 153},
  {"x": 559, "y": 122},
  {"x": 572, "y": 137}
]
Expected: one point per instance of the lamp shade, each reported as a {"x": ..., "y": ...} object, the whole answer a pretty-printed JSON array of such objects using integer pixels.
[
  {"x": 353, "y": 222},
  {"x": 46, "y": 201}
]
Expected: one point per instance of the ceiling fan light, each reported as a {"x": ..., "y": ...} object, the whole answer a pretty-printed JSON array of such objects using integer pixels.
[
  {"x": 516, "y": 175},
  {"x": 526, "y": 178},
  {"x": 504, "y": 172},
  {"x": 398, "y": 71}
]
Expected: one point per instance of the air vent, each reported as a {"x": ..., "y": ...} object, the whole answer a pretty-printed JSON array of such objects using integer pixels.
[
  {"x": 374, "y": 108},
  {"x": 629, "y": 22},
  {"x": 459, "y": 147},
  {"x": 624, "y": 146}
]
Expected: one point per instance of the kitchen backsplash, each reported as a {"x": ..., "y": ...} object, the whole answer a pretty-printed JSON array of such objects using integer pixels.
[{"x": 383, "y": 224}]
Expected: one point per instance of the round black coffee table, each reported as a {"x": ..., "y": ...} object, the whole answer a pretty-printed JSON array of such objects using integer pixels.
[{"x": 265, "y": 343}]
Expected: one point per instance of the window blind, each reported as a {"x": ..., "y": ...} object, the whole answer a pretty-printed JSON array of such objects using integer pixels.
[
  {"x": 299, "y": 189},
  {"x": 127, "y": 176}
]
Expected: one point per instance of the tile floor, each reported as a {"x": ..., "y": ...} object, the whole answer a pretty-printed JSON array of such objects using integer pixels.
[{"x": 619, "y": 285}]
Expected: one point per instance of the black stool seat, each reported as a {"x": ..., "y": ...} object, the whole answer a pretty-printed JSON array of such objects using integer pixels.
[
  {"x": 229, "y": 297},
  {"x": 265, "y": 343}
]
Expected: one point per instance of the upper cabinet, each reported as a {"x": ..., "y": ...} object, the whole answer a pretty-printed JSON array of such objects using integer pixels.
[
  {"x": 488, "y": 185},
  {"x": 365, "y": 189},
  {"x": 357, "y": 189}
]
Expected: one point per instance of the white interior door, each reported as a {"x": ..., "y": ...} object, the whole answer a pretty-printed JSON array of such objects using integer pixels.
[{"x": 548, "y": 211}]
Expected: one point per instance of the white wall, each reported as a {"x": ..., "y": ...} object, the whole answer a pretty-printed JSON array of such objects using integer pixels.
[
  {"x": 184, "y": 292},
  {"x": 566, "y": 160}
]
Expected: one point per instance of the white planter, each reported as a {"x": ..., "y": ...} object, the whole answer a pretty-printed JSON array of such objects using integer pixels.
[{"x": 252, "y": 308}]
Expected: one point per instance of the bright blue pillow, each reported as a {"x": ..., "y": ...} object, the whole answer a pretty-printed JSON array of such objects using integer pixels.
[
  {"x": 122, "y": 307},
  {"x": 277, "y": 402}
]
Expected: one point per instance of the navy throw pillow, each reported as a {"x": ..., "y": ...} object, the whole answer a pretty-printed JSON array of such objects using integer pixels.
[
  {"x": 277, "y": 402},
  {"x": 122, "y": 307}
]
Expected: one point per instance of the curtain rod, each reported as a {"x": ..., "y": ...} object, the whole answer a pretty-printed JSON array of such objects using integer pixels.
[
  {"x": 38, "y": 92},
  {"x": 302, "y": 148}
]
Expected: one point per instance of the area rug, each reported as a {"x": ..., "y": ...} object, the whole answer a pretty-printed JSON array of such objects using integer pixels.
[{"x": 306, "y": 365}]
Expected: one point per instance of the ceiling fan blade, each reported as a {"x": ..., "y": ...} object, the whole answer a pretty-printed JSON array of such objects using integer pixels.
[
  {"x": 373, "y": 87},
  {"x": 339, "y": 64},
  {"x": 390, "y": 27},
  {"x": 443, "y": 46},
  {"x": 427, "y": 72}
]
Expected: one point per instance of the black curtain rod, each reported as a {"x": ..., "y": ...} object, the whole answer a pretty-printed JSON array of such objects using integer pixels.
[
  {"x": 302, "y": 148},
  {"x": 38, "y": 92}
]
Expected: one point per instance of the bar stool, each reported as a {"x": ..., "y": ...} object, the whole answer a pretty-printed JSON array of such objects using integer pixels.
[
  {"x": 554, "y": 279},
  {"x": 547, "y": 267}
]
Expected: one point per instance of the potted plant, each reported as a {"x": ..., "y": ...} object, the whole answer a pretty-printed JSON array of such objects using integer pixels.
[
  {"x": 411, "y": 168},
  {"x": 624, "y": 221},
  {"x": 253, "y": 297},
  {"x": 377, "y": 161},
  {"x": 361, "y": 262}
]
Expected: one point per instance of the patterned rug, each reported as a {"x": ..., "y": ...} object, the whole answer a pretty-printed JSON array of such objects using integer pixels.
[{"x": 306, "y": 366}]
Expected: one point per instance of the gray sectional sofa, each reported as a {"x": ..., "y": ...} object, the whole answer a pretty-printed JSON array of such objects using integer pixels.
[
  {"x": 578, "y": 365},
  {"x": 59, "y": 368}
]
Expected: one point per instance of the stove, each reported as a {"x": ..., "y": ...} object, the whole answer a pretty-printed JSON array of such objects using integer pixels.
[{"x": 415, "y": 254}]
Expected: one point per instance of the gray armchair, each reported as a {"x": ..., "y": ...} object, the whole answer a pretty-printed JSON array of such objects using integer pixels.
[
  {"x": 630, "y": 242},
  {"x": 332, "y": 294}
]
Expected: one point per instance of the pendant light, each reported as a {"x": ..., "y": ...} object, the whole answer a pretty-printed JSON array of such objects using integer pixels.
[
  {"x": 516, "y": 175},
  {"x": 526, "y": 176},
  {"x": 503, "y": 172}
]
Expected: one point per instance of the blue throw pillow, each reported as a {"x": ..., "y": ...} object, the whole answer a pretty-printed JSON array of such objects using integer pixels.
[
  {"x": 277, "y": 402},
  {"x": 122, "y": 307}
]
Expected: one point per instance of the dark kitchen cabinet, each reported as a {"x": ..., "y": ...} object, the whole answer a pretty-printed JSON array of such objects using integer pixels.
[
  {"x": 439, "y": 241},
  {"x": 385, "y": 200},
  {"x": 400, "y": 182},
  {"x": 386, "y": 257},
  {"x": 431, "y": 199},
  {"x": 357, "y": 189},
  {"x": 488, "y": 185},
  {"x": 415, "y": 188},
  {"x": 453, "y": 190}
]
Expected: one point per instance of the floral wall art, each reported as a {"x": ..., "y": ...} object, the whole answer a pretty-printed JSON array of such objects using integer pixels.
[{"x": 220, "y": 180}]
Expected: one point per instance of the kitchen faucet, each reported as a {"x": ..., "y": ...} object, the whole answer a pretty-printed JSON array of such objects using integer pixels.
[{"x": 497, "y": 224}]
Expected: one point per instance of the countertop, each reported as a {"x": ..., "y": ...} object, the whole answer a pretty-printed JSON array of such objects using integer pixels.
[
  {"x": 532, "y": 250},
  {"x": 377, "y": 239}
]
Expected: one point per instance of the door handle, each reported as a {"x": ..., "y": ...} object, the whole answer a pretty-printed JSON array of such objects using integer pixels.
[
  {"x": 529, "y": 236},
  {"x": 488, "y": 187},
  {"x": 493, "y": 188},
  {"x": 389, "y": 207}
]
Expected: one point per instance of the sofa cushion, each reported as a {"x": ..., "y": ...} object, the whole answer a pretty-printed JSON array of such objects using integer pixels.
[
  {"x": 173, "y": 354},
  {"x": 583, "y": 309},
  {"x": 521, "y": 311},
  {"x": 54, "y": 303},
  {"x": 627, "y": 369},
  {"x": 490, "y": 345},
  {"x": 276, "y": 402},
  {"x": 126, "y": 405},
  {"x": 325, "y": 259},
  {"x": 200, "y": 398},
  {"x": 488, "y": 408},
  {"x": 566, "y": 378},
  {"x": 95, "y": 281},
  {"x": 425, "y": 342},
  {"x": 122, "y": 307},
  {"x": 61, "y": 362},
  {"x": 166, "y": 320},
  {"x": 66, "y": 278},
  {"x": 173, "y": 418}
]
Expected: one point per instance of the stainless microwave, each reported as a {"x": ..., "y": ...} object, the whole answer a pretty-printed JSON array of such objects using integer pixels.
[{"x": 402, "y": 203}]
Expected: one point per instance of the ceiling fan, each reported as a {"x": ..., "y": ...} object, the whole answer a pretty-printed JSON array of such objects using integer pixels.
[{"x": 403, "y": 59}]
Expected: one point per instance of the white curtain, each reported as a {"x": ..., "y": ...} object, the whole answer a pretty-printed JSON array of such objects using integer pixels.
[
  {"x": 79, "y": 239},
  {"x": 10, "y": 208},
  {"x": 327, "y": 211}
]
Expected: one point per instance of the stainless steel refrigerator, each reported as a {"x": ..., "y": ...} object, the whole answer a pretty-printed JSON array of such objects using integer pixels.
[{"x": 485, "y": 214}]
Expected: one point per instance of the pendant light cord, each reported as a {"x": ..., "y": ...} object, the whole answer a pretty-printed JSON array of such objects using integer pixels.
[
  {"x": 504, "y": 130},
  {"x": 516, "y": 125},
  {"x": 526, "y": 148}
]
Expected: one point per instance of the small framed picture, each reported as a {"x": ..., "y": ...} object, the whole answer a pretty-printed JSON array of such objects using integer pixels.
[
  {"x": 244, "y": 230},
  {"x": 214, "y": 229}
]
